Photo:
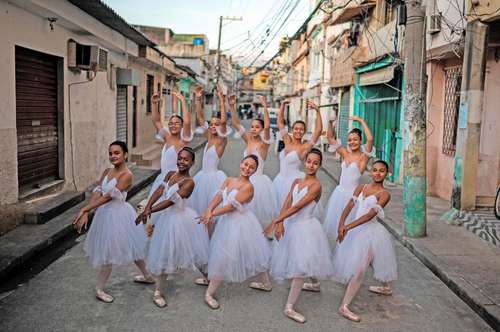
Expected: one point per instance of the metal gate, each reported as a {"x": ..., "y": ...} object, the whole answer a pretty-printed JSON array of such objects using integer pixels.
[
  {"x": 343, "y": 117},
  {"x": 121, "y": 113},
  {"x": 36, "y": 117}
]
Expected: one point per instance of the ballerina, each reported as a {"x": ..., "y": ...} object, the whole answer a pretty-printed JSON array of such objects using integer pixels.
[
  {"x": 113, "y": 238},
  {"x": 264, "y": 204},
  {"x": 175, "y": 137},
  {"x": 363, "y": 241},
  {"x": 303, "y": 250},
  {"x": 178, "y": 242},
  {"x": 238, "y": 249},
  {"x": 295, "y": 150},
  {"x": 209, "y": 179}
]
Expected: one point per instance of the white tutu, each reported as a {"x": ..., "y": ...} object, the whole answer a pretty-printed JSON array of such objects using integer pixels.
[
  {"x": 349, "y": 180},
  {"x": 302, "y": 252},
  {"x": 113, "y": 237},
  {"x": 360, "y": 242},
  {"x": 263, "y": 205},
  {"x": 178, "y": 242},
  {"x": 238, "y": 249},
  {"x": 206, "y": 186}
]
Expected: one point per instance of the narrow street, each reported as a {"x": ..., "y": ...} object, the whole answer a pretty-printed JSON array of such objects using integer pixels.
[{"x": 61, "y": 297}]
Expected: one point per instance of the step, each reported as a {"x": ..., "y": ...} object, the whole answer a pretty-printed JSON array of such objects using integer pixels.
[
  {"x": 52, "y": 207},
  {"x": 139, "y": 152},
  {"x": 153, "y": 154},
  {"x": 20, "y": 245}
]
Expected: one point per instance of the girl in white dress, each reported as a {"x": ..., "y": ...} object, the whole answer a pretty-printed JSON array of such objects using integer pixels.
[
  {"x": 264, "y": 203},
  {"x": 302, "y": 250},
  {"x": 363, "y": 241},
  {"x": 113, "y": 238},
  {"x": 292, "y": 156},
  {"x": 175, "y": 137},
  {"x": 355, "y": 159},
  {"x": 178, "y": 241},
  {"x": 238, "y": 249}
]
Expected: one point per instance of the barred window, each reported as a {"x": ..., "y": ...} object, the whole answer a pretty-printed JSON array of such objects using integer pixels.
[{"x": 453, "y": 81}]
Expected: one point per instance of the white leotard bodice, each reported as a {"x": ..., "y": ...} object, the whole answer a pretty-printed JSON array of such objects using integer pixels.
[{"x": 211, "y": 159}]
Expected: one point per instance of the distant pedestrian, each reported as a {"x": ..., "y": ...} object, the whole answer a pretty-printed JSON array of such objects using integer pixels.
[
  {"x": 113, "y": 238},
  {"x": 178, "y": 241},
  {"x": 258, "y": 139},
  {"x": 363, "y": 241},
  {"x": 302, "y": 249},
  {"x": 176, "y": 136},
  {"x": 238, "y": 249}
]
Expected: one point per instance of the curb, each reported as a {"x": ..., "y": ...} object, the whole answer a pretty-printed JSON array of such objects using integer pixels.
[
  {"x": 57, "y": 229},
  {"x": 465, "y": 291}
]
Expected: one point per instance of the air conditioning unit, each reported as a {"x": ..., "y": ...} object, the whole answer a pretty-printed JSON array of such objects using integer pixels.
[
  {"x": 434, "y": 23},
  {"x": 87, "y": 57}
]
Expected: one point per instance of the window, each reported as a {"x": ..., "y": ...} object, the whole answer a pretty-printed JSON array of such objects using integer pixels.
[
  {"x": 453, "y": 81},
  {"x": 149, "y": 91}
]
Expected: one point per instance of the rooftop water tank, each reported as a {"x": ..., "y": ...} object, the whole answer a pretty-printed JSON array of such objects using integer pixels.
[{"x": 198, "y": 41}]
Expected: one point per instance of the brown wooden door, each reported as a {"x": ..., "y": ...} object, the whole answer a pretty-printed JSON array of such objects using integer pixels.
[{"x": 36, "y": 117}]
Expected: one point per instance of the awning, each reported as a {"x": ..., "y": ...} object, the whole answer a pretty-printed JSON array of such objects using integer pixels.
[
  {"x": 380, "y": 76},
  {"x": 352, "y": 11}
]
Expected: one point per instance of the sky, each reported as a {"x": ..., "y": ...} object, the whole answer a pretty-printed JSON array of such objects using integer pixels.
[{"x": 264, "y": 22}]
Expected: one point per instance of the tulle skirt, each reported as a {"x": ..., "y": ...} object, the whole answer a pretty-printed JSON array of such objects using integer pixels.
[
  {"x": 282, "y": 185},
  {"x": 113, "y": 237},
  {"x": 178, "y": 242},
  {"x": 206, "y": 186},
  {"x": 370, "y": 240},
  {"x": 303, "y": 251},
  {"x": 264, "y": 204},
  {"x": 238, "y": 249},
  {"x": 336, "y": 204}
]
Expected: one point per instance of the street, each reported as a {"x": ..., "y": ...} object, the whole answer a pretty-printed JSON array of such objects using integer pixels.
[{"x": 61, "y": 298}]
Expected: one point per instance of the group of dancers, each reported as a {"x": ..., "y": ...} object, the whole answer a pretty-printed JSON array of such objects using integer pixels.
[{"x": 233, "y": 228}]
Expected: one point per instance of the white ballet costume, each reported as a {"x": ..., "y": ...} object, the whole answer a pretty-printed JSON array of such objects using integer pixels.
[
  {"x": 361, "y": 242},
  {"x": 113, "y": 237},
  {"x": 289, "y": 172},
  {"x": 264, "y": 204},
  {"x": 238, "y": 249},
  {"x": 303, "y": 251},
  {"x": 178, "y": 241},
  {"x": 349, "y": 180},
  {"x": 207, "y": 181},
  {"x": 168, "y": 161}
]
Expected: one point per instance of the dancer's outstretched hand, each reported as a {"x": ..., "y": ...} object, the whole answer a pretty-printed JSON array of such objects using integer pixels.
[
  {"x": 279, "y": 231},
  {"x": 81, "y": 221},
  {"x": 268, "y": 231},
  {"x": 342, "y": 232}
]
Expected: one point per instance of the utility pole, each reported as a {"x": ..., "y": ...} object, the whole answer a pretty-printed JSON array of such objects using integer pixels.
[
  {"x": 415, "y": 186},
  {"x": 221, "y": 20},
  {"x": 469, "y": 117}
]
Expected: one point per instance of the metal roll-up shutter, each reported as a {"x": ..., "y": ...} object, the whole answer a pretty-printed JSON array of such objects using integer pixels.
[
  {"x": 121, "y": 113},
  {"x": 36, "y": 117}
]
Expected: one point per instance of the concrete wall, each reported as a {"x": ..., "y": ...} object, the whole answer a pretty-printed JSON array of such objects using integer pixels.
[{"x": 92, "y": 109}]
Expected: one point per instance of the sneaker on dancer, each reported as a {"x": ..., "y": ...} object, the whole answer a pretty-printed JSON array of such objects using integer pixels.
[
  {"x": 302, "y": 249},
  {"x": 363, "y": 241},
  {"x": 295, "y": 150},
  {"x": 176, "y": 136},
  {"x": 264, "y": 204},
  {"x": 113, "y": 238},
  {"x": 355, "y": 159},
  {"x": 178, "y": 241},
  {"x": 238, "y": 249}
]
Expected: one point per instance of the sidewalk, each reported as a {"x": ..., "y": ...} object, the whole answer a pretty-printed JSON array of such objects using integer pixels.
[
  {"x": 21, "y": 245},
  {"x": 468, "y": 265}
]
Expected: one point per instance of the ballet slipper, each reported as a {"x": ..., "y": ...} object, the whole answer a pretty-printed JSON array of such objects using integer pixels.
[
  {"x": 103, "y": 296},
  {"x": 201, "y": 281},
  {"x": 292, "y": 314},
  {"x": 261, "y": 286},
  {"x": 344, "y": 311},
  {"x": 159, "y": 300},
  {"x": 140, "y": 279},
  {"x": 311, "y": 287},
  {"x": 381, "y": 290},
  {"x": 211, "y": 302}
]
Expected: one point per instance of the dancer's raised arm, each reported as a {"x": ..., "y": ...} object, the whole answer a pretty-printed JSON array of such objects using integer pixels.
[
  {"x": 367, "y": 131},
  {"x": 235, "y": 120},
  {"x": 267, "y": 119},
  {"x": 198, "y": 105},
  {"x": 186, "y": 116},
  {"x": 155, "y": 111},
  {"x": 222, "y": 109},
  {"x": 333, "y": 141}
]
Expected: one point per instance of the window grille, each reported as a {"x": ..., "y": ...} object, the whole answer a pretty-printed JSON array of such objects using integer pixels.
[{"x": 453, "y": 82}]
